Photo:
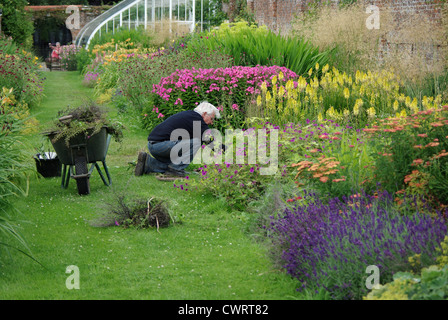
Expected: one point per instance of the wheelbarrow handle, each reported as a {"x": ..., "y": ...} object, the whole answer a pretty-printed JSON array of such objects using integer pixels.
[{"x": 65, "y": 118}]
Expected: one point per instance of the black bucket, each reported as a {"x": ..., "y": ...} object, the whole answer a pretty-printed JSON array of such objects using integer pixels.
[{"x": 48, "y": 165}]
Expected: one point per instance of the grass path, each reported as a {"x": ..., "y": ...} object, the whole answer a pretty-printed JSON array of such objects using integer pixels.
[{"x": 205, "y": 255}]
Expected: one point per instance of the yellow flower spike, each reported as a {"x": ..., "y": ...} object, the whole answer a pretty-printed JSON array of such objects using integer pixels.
[
  {"x": 315, "y": 83},
  {"x": 407, "y": 101},
  {"x": 310, "y": 72},
  {"x": 268, "y": 96},
  {"x": 414, "y": 105},
  {"x": 309, "y": 90},
  {"x": 358, "y": 76},
  {"x": 290, "y": 85},
  {"x": 396, "y": 105},
  {"x": 280, "y": 76},
  {"x": 259, "y": 100},
  {"x": 325, "y": 68},
  {"x": 356, "y": 110},
  {"x": 438, "y": 101},
  {"x": 301, "y": 84},
  {"x": 281, "y": 91},
  {"x": 317, "y": 66},
  {"x": 320, "y": 118},
  {"x": 346, "y": 113},
  {"x": 402, "y": 114},
  {"x": 346, "y": 93},
  {"x": 274, "y": 80},
  {"x": 274, "y": 91},
  {"x": 371, "y": 112}
]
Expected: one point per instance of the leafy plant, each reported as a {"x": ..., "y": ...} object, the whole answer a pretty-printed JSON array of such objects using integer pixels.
[
  {"x": 431, "y": 284},
  {"x": 412, "y": 155},
  {"x": 251, "y": 46},
  {"x": 15, "y": 170},
  {"x": 87, "y": 119},
  {"x": 18, "y": 70},
  {"x": 16, "y": 22}
]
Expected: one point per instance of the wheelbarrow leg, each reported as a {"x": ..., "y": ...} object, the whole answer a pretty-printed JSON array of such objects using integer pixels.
[
  {"x": 109, "y": 180},
  {"x": 82, "y": 175},
  {"x": 65, "y": 176}
]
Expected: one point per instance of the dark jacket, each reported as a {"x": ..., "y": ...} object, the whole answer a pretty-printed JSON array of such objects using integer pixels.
[{"x": 182, "y": 120}]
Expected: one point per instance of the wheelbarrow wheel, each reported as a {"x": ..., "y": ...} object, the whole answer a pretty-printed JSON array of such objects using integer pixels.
[{"x": 82, "y": 177}]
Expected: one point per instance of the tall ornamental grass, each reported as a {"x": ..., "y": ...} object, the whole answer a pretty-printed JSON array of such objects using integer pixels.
[
  {"x": 15, "y": 167},
  {"x": 251, "y": 46}
]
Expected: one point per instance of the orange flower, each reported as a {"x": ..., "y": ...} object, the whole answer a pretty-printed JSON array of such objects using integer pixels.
[
  {"x": 324, "y": 179},
  {"x": 314, "y": 167},
  {"x": 417, "y": 162},
  {"x": 432, "y": 144},
  {"x": 443, "y": 153}
]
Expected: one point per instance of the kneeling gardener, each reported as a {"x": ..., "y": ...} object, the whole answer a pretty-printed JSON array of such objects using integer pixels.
[{"x": 169, "y": 141}]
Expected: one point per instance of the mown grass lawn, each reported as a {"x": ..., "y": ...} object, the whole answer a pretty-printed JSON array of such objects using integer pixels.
[{"x": 206, "y": 254}]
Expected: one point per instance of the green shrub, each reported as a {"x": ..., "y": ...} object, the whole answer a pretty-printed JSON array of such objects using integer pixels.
[
  {"x": 251, "y": 46},
  {"x": 431, "y": 284},
  {"x": 137, "y": 36},
  {"x": 15, "y": 167},
  {"x": 16, "y": 22},
  {"x": 412, "y": 154},
  {"x": 138, "y": 74},
  {"x": 18, "y": 70}
]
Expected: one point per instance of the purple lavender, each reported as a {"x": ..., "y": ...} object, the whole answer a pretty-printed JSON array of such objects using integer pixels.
[{"x": 329, "y": 245}]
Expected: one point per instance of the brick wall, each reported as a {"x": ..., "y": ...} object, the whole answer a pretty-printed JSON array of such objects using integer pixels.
[{"x": 278, "y": 14}]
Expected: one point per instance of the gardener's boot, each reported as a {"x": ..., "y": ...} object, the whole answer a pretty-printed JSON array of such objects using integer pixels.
[{"x": 141, "y": 161}]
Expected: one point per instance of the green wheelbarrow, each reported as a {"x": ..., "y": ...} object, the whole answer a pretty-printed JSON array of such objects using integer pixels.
[{"x": 81, "y": 152}]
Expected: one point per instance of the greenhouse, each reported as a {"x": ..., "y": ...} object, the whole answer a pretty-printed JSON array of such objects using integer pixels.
[{"x": 173, "y": 16}]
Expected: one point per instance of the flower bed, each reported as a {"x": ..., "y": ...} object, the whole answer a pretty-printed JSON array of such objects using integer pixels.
[
  {"x": 329, "y": 246},
  {"x": 227, "y": 88}
]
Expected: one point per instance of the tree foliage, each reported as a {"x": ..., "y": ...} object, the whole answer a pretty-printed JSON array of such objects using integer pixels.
[{"x": 16, "y": 22}]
